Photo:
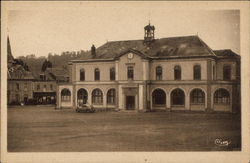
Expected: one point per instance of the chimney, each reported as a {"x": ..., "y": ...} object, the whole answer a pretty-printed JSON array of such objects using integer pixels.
[{"x": 93, "y": 51}]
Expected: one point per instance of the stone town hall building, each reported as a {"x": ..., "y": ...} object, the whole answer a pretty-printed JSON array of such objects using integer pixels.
[{"x": 177, "y": 73}]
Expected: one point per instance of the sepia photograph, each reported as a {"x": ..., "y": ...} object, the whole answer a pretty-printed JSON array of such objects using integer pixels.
[{"x": 123, "y": 77}]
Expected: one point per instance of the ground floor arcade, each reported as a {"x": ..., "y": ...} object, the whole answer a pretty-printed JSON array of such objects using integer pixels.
[{"x": 149, "y": 96}]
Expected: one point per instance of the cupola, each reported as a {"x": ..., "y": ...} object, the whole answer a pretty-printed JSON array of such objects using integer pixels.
[{"x": 149, "y": 33}]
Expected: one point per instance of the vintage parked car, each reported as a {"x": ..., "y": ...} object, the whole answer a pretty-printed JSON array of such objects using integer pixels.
[{"x": 85, "y": 108}]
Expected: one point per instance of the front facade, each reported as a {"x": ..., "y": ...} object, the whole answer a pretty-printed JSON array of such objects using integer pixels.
[
  {"x": 180, "y": 73},
  {"x": 44, "y": 92},
  {"x": 20, "y": 82},
  {"x": 19, "y": 91}
]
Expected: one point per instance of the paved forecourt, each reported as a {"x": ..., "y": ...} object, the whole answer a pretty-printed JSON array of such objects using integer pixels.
[{"x": 44, "y": 129}]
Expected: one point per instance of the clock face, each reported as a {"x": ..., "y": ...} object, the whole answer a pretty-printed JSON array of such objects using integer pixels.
[{"x": 130, "y": 55}]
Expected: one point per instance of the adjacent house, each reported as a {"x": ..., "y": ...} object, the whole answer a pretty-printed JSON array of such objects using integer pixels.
[
  {"x": 20, "y": 81},
  {"x": 45, "y": 86},
  {"x": 24, "y": 87}
]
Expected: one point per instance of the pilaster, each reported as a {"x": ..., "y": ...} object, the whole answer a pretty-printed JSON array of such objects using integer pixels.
[
  {"x": 168, "y": 101},
  {"x": 104, "y": 100},
  {"x": 141, "y": 97},
  {"x": 209, "y": 80},
  {"x": 187, "y": 102},
  {"x": 116, "y": 70}
]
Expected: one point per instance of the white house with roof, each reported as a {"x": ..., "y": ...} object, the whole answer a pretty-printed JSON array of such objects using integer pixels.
[{"x": 176, "y": 73}]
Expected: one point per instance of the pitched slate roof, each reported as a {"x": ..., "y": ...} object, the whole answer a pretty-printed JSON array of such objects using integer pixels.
[
  {"x": 160, "y": 48},
  {"x": 57, "y": 71},
  {"x": 18, "y": 72},
  {"x": 56, "y": 74},
  {"x": 225, "y": 53}
]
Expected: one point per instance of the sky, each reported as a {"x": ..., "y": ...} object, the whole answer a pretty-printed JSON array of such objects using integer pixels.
[{"x": 54, "y": 30}]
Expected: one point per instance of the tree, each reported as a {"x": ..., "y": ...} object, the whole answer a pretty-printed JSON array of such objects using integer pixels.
[
  {"x": 44, "y": 66},
  {"x": 19, "y": 62},
  {"x": 26, "y": 67},
  {"x": 49, "y": 64}
]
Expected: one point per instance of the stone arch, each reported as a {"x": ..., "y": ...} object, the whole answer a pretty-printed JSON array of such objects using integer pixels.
[
  {"x": 111, "y": 96},
  {"x": 156, "y": 94},
  {"x": 222, "y": 92},
  {"x": 223, "y": 100},
  {"x": 190, "y": 90},
  {"x": 216, "y": 88},
  {"x": 184, "y": 90},
  {"x": 82, "y": 96},
  {"x": 178, "y": 97},
  {"x": 198, "y": 100},
  {"x": 65, "y": 94},
  {"x": 97, "y": 96},
  {"x": 158, "y": 88}
]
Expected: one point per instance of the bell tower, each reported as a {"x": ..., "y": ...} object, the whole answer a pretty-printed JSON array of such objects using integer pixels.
[{"x": 149, "y": 33}]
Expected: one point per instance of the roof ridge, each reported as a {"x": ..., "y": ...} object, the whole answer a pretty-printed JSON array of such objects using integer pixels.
[
  {"x": 123, "y": 40},
  {"x": 177, "y": 37},
  {"x": 155, "y": 39}
]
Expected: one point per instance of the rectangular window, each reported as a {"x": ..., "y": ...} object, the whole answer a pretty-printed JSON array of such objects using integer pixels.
[
  {"x": 51, "y": 87},
  {"x": 112, "y": 74},
  {"x": 226, "y": 72},
  {"x": 38, "y": 87},
  {"x": 130, "y": 72},
  {"x": 97, "y": 74},
  {"x": 82, "y": 75},
  {"x": 197, "y": 72},
  {"x": 177, "y": 73},
  {"x": 158, "y": 73}
]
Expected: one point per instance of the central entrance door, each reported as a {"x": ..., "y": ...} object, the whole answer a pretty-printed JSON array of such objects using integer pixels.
[{"x": 130, "y": 102}]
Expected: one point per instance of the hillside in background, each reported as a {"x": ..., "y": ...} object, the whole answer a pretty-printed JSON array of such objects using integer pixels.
[{"x": 60, "y": 61}]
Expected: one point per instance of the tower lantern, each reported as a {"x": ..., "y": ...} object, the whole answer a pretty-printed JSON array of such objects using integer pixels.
[{"x": 149, "y": 33}]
